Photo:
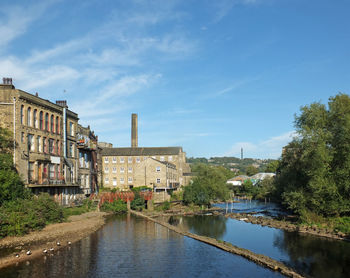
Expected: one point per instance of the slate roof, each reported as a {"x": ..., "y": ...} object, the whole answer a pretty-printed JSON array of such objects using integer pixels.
[{"x": 141, "y": 151}]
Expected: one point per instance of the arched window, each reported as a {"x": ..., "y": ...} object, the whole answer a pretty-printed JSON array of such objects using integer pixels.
[
  {"x": 57, "y": 126},
  {"x": 29, "y": 116},
  {"x": 41, "y": 120},
  {"x": 52, "y": 124},
  {"x": 47, "y": 121},
  {"x": 22, "y": 114},
  {"x": 35, "y": 118}
]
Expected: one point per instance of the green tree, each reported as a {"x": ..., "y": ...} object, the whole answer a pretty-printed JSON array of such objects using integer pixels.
[
  {"x": 11, "y": 185},
  {"x": 272, "y": 166},
  {"x": 207, "y": 186},
  {"x": 251, "y": 170},
  {"x": 314, "y": 172}
]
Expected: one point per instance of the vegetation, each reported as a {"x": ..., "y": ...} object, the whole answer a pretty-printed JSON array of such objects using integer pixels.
[
  {"x": 20, "y": 216},
  {"x": 117, "y": 206},
  {"x": 11, "y": 185},
  {"x": 314, "y": 172},
  {"x": 139, "y": 203},
  {"x": 87, "y": 206},
  {"x": 209, "y": 185}
]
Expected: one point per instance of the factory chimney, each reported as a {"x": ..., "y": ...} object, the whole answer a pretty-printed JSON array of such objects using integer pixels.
[{"x": 134, "y": 138}]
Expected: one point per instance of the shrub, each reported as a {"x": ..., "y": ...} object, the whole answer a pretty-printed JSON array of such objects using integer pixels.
[{"x": 118, "y": 206}]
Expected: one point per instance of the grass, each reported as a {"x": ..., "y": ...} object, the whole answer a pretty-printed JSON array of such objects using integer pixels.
[{"x": 87, "y": 206}]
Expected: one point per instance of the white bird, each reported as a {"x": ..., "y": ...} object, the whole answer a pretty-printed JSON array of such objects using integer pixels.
[
  {"x": 29, "y": 252},
  {"x": 69, "y": 243},
  {"x": 17, "y": 255},
  {"x": 58, "y": 243},
  {"x": 51, "y": 249},
  {"x": 45, "y": 251}
]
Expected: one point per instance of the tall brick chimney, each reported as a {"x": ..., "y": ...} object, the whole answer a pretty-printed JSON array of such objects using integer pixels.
[{"x": 134, "y": 138}]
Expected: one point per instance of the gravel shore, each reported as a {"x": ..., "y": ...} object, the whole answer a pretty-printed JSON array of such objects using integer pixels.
[{"x": 52, "y": 236}]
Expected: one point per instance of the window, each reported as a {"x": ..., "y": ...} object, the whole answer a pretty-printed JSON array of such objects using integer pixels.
[
  {"x": 71, "y": 150},
  {"x": 38, "y": 144},
  {"x": 45, "y": 144},
  {"x": 130, "y": 169},
  {"x": 114, "y": 170},
  {"x": 121, "y": 160},
  {"x": 114, "y": 181},
  {"x": 121, "y": 169},
  {"x": 57, "y": 126},
  {"x": 71, "y": 129},
  {"x": 129, "y": 159},
  {"x": 170, "y": 158},
  {"x": 31, "y": 144},
  {"x": 106, "y": 180},
  {"x": 35, "y": 118},
  {"x": 52, "y": 171},
  {"x": 158, "y": 181},
  {"x": 106, "y": 160},
  {"x": 158, "y": 169},
  {"x": 22, "y": 114},
  {"x": 138, "y": 160},
  {"x": 58, "y": 147},
  {"x": 41, "y": 120},
  {"x": 22, "y": 137},
  {"x": 52, "y": 120},
  {"x": 114, "y": 160},
  {"x": 106, "y": 170},
  {"x": 51, "y": 146},
  {"x": 121, "y": 180},
  {"x": 81, "y": 159},
  {"x": 129, "y": 179},
  {"x": 161, "y": 158},
  {"x": 47, "y": 122},
  {"x": 29, "y": 116},
  {"x": 31, "y": 171}
]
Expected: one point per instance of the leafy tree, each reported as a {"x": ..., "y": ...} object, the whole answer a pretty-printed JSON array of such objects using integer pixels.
[
  {"x": 11, "y": 185},
  {"x": 207, "y": 186},
  {"x": 314, "y": 172},
  {"x": 251, "y": 170},
  {"x": 272, "y": 166}
]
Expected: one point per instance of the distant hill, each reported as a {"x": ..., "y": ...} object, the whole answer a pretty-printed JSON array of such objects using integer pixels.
[{"x": 232, "y": 163}]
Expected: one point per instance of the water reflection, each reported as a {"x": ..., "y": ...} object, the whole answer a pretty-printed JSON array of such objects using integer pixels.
[
  {"x": 129, "y": 246},
  {"x": 313, "y": 256}
]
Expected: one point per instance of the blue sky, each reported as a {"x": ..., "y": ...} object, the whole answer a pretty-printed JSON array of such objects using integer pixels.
[{"x": 211, "y": 76}]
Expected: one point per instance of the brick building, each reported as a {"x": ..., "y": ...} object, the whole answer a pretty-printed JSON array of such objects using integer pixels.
[{"x": 45, "y": 135}]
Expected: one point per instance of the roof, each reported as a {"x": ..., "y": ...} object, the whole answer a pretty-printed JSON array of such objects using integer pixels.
[
  {"x": 261, "y": 176},
  {"x": 239, "y": 178},
  {"x": 141, "y": 151}
]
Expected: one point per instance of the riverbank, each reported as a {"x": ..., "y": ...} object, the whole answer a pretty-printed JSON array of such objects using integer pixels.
[
  {"x": 257, "y": 258},
  {"x": 77, "y": 227},
  {"x": 288, "y": 226}
]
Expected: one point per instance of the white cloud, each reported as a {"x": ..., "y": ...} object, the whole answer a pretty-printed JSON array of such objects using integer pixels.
[
  {"x": 223, "y": 7},
  {"x": 270, "y": 148}
]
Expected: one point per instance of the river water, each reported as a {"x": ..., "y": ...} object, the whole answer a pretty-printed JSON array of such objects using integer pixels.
[
  {"x": 311, "y": 255},
  {"x": 129, "y": 246}
]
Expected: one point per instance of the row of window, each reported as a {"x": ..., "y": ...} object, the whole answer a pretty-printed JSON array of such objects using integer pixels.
[
  {"x": 137, "y": 159},
  {"x": 122, "y": 181},
  {"x": 42, "y": 144},
  {"x": 49, "y": 171},
  {"x": 114, "y": 170},
  {"x": 43, "y": 121},
  {"x": 122, "y": 169}
]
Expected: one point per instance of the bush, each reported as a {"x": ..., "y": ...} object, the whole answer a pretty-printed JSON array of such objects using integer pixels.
[
  {"x": 118, "y": 206},
  {"x": 87, "y": 206},
  {"x": 21, "y": 216}
]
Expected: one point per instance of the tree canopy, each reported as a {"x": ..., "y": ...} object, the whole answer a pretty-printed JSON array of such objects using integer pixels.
[
  {"x": 314, "y": 172},
  {"x": 207, "y": 186}
]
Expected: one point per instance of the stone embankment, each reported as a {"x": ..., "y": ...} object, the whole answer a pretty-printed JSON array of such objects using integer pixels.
[
  {"x": 56, "y": 236},
  {"x": 286, "y": 225},
  {"x": 228, "y": 247}
]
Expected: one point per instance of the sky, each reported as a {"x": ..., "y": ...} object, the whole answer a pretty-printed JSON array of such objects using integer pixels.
[{"x": 210, "y": 76}]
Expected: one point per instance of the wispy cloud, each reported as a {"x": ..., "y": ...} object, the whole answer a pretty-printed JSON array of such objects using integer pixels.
[
  {"x": 270, "y": 148},
  {"x": 224, "y": 7}
]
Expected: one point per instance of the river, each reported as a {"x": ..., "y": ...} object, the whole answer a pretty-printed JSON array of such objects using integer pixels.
[{"x": 129, "y": 246}]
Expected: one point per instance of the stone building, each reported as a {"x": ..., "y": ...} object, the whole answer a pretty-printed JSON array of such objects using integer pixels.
[
  {"x": 45, "y": 135},
  {"x": 87, "y": 153},
  {"x": 123, "y": 167}
]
